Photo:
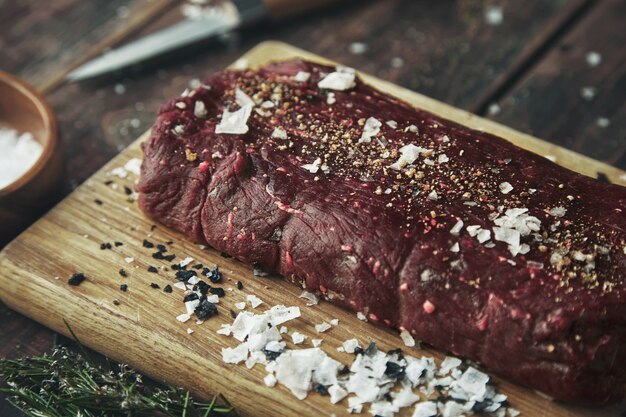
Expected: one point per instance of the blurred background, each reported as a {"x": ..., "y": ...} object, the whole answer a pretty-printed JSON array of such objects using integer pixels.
[{"x": 553, "y": 68}]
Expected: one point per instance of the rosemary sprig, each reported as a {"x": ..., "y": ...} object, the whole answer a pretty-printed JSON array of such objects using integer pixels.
[{"x": 64, "y": 384}]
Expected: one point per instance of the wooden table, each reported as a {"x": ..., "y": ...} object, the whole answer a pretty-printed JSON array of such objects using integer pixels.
[{"x": 531, "y": 71}]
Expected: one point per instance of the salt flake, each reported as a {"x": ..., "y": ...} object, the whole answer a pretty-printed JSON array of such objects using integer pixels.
[
  {"x": 407, "y": 338},
  {"x": 322, "y": 327},
  {"x": 371, "y": 129},
  {"x": 302, "y": 77},
  {"x": 337, "y": 80},
  {"x": 279, "y": 133},
  {"x": 297, "y": 338},
  {"x": 254, "y": 300},
  {"x": 505, "y": 187},
  {"x": 133, "y": 166}
]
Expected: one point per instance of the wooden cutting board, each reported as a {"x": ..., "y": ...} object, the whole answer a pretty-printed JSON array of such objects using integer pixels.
[{"x": 139, "y": 326}]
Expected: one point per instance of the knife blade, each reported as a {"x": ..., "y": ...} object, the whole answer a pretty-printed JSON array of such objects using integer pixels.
[
  {"x": 186, "y": 32},
  {"x": 213, "y": 21}
]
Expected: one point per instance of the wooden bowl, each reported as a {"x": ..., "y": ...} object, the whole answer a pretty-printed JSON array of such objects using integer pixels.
[{"x": 23, "y": 109}]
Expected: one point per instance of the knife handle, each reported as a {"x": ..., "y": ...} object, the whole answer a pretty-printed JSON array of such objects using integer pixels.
[{"x": 279, "y": 9}]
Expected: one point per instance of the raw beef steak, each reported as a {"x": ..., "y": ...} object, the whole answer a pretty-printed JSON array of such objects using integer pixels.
[{"x": 472, "y": 244}]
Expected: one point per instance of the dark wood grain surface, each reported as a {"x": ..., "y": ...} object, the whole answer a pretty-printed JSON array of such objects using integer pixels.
[
  {"x": 526, "y": 70},
  {"x": 570, "y": 102}
]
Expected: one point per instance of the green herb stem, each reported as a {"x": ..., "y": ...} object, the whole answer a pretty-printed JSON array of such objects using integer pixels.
[{"x": 64, "y": 384}]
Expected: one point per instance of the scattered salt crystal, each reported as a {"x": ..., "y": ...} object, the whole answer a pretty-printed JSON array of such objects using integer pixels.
[
  {"x": 119, "y": 88},
  {"x": 392, "y": 124},
  {"x": 279, "y": 133},
  {"x": 408, "y": 154},
  {"x": 189, "y": 331},
  {"x": 191, "y": 305},
  {"x": 235, "y": 355},
  {"x": 225, "y": 330},
  {"x": 458, "y": 226},
  {"x": 181, "y": 285},
  {"x": 455, "y": 248},
  {"x": 603, "y": 122},
  {"x": 425, "y": 409},
  {"x": 280, "y": 314},
  {"x": 283, "y": 330},
  {"x": 254, "y": 300},
  {"x": 330, "y": 100},
  {"x": 316, "y": 342},
  {"x": 443, "y": 158},
  {"x": 270, "y": 380},
  {"x": 322, "y": 327},
  {"x": 505, "y": 187},
  {"x": 448, "y": 364},
  {"x": 588, "y": 93},
  {"x": 433, "y": 195},
  {"x": 199, "y": 109},
  {"x": 397, "y": 62},
  {"x": 355, "y": 405},
  {"x": 593, "y": 58},
  {"x": 241, "y": 305},
  {"x": 494, "y": 16},
  {"x": 236, "y": 122},
  {"x": 371, "y": 129},
  {"x": 452, "y": 409},
  {"x": 183, "y": 318},
  {"x": 473, "y": 230},
  {"x": 119, "y": 172},
  {"x": 129, "y": 260},
  {"x": 297, "y": 338},
  {"x": 407, "y": 338},
  {"x": 336, "y": 393},
  {"x": 186, "y": 261},
  {"x": 302, "y": 77},
  {"x": 483, "y": 235},
  {"x": 133, "y": 166},
  {"x": 313, "y": 167},
  {"x": 350, "y": 345},
  {"x": 494, "y": 109},
  {"x": 295, "y": 369},
  {"x": 472, "y": 382},
  {"x": 357, "y": 48},
  {"x": 340, "y": 80},
  {"x": 334, "y": 322},
  {"x": 310, "y": 297},
  {"x": 361, "y": 316},
  {"x": 557, "y": 211},
  {"x": 178, "y": 130}
]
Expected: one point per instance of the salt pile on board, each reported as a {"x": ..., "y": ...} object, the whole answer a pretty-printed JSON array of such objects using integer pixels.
[
  {"x": 386, "y": 382},
  {"x": 18, "y": 152}
]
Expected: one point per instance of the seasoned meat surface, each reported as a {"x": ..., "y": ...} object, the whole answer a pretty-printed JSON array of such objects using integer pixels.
[{"x": 472, "y": 244}]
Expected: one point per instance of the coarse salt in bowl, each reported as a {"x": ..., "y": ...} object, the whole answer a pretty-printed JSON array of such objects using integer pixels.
[
  {"x": 18, "y": 153},
  {"x": 30, "y": 160}
]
